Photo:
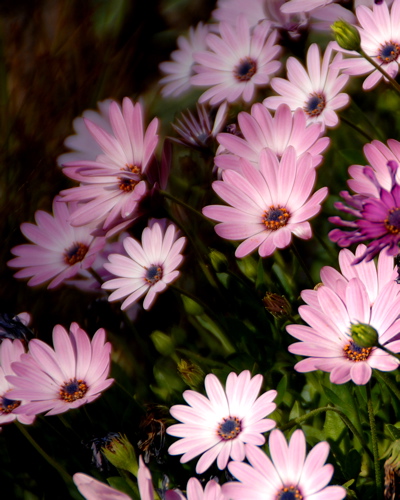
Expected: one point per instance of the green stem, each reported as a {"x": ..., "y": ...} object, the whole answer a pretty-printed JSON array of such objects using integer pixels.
[
  {"x": 345, "y": 419},
  {"x": 393, "y": 82},
  {"x": 357, "y": 128},
  {"x": 372, "y": 423},
  {"x": 185, "y": 205},
  {"x": 302, "y": 264},
  {"x": 63, "y": 473},
  {"x": 389, "y": 382}
]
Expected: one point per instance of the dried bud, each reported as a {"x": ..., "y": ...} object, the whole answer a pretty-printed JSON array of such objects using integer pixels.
[
  {"x": 121, "y": 454},
  {"x": 346, "y": 35},
  {"x": 364, "y": 335},
  {"x": 192, "y": 374},
  {"x": 392, "y": 472},
  {"x": 277, "y": 305}
]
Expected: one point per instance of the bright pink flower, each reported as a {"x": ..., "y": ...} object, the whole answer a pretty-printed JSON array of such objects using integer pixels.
[
  {"x": 149, "y": 267},
  {"x": 269, "y": 204},
  {"x": 226, "y": 424},
  {"x": 112, "y": 169},
  {"x": 71, "y": 375},
  {"x": 360, "y": 294},
  {"x": 58, "y": 251},
  {"x": 380, "y": 39},
  {"x": 179, "y": 71},
  {"x": 238, "y": 61},
  {"x": 260, "y": 130},
  {"x": 92, "y": 489},
  {"x": 212, "y": 491},
  {"x": 290, "y": 474},
  {"x": 316, "y": 90},
  {"x": 10, "y": 351}
]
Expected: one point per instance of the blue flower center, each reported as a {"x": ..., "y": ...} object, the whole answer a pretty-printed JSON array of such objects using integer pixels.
[
  {"x": 389, "y": 52},
  {"x": 229, "y": 428},
  {"x": 8, "y": 405},
  {"x": 354, "y": 352},
  {"x": 72, "y": 390},
  {"x": 275, "y": 217},
  {"x": 245, "y": 70},
  {"x": 153, "y": 274},
  {"x": 315, "y": 104},
  {"x": 289, "y": 493},
  {"x": 392, "y": 222},
  {"x": 76, "y": 253}
]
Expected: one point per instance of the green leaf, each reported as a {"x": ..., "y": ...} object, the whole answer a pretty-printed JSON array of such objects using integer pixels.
[{"x": 393, "y": 431}]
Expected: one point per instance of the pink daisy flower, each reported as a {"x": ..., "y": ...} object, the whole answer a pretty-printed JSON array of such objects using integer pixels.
[
  {"x": 260, "y": 130},
  {"x": 179, "y": 71},
  {"x": 92, "y": 489},
  {"x": 225, "y": 424},
  {"x": 238, "y": 61},
  {"x": 113, "y": 176},
  {"x": 212, "y": 490},
  {"x": 294, "y": 6},
  {"x": 380, "y": 39},
  {"x": 149, "y": 267},
  {"x": 71, "y": 375},
  {"x": 362, "y": 294},
  {"x": 146, "y": 489},
  {"x": 316, "y": 90},
  {"x": 10, "y": 351},
  {"x": 290, "y": 473},
  {"x": 58, "y": 250},
  {"x": 267, "y": 205}
]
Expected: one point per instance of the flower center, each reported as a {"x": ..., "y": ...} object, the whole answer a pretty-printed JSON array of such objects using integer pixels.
[
  {"x": 389, "y": 52},
  {"x": 245, "y": 70},
  {"x": 229, "y": 428},
  {"x": 153, "y": 274},
  {"x": 128, "y": 184},
  {"x": 275, "y": 217},
  {"x": 73, "y": 390},
  {"x": 354, "y": 352},
  {"x": 315, "y": 104},
  {"x": 392, "y": 222},
  {"x": 75, "y": 253},
  {"x": 289, "y": 493},
  {"x": 8, "y": 405}
]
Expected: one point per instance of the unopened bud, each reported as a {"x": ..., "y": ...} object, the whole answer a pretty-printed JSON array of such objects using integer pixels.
[
  {"x": 277, "y": 305},
  {"x": 218, "y": 261},
  {"x": 191, "y": 373},
  {"x": 364, "y": 335},
  {"x": 163, "y": 343},
  {"x": 121, "y": 454},
  {"x": 346, "y": 35}
]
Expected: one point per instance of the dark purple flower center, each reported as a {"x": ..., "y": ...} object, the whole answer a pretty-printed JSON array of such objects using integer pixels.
[
  {"x": 275, "y": 217},
  {"x": 8, "y": 405},
  {"x": 289, "y": 493},
  {"x": 315, "y": 104},
  {"x": 72, "y": 390},
  {"x": 354, "y": 352},
  {"x": 128, "y": 184},
  {"x": 76, "y": 253},
  {"x": 246, "y": 69},
  {"x": 389, "y": 52},
  {"x": 392, "y": 222},
  {"x": 153, "y": 274},
  {"x": 229, "y": 428}
]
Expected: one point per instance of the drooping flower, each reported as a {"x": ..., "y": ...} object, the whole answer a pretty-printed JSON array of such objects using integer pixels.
[
  {"x": 289, "y": 474},
  {"x": 237, "y": 61},
  {"x": 179, "y": 71},
  {"x": 15, "y": 327},
  {"x": 360, "y": 295},
  {"x": 225, "y": 424},
  {"x": 149, "y": 267},
  {"x": 92, "y": 489},
  {"x": 260, "y": 130},
  {"x": 112, "y": 167},
  {"x": 380, "y": 39},
  {"x": 316, "y": 90},
  {"x": 267, "y": 205},
  {"x": 58, "y": 250},
  {"x": 71, "y": 375},
  {"x": 10, "y": 351}
]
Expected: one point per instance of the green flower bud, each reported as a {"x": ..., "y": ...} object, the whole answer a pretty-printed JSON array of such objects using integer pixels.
[
  {"x": 218, "y": 261},
  {"x": 191, "y": 373},
  {"x": 277, "y": 305},
  {"x": 121, "y": 454},
  {"x": 364, "y": 335},
  {"x": 346, "y": 35},
  {"x": 163, "y": 343}
]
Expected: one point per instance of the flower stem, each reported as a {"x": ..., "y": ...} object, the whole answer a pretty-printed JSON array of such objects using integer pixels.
[
  {"x": 372, "y": 423},
  {"x": 185, "y": 205},
  {"x": 389, "y": 382},
  {"x": 302, "y": 264},
  {"x": 393, "y": 82},
  {"x": 357, "y": 128}
]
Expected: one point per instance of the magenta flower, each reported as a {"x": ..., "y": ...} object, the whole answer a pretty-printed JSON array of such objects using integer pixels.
[
  {"x": 10, "y": 351},
  {"x": 260, "y": 130},
  {"x": 316, "y": 90},
  {"x": 267, "y": 205},
  {"x": 92, "y": 489},
  {"x": 149, "y": 267},
  {"x": 71, "y": 375},
  {"x": 112, "y": 168},
  {"x": 290, "y": 474},
  {"x": 226, "y": 424},
  {"x": 58, "y": 251},
  {"x": 179, "y": 71},
  {"x": 361, "y": 294},
  {"x": 238, "y": 61},
  {"x": 380, "y": 39}
]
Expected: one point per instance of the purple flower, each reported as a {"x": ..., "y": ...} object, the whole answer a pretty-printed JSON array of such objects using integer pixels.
[
  {"x": 225, "y": 424},
  {"x": 71, "y": 375},
  {"x": 289, "y": 474}
]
